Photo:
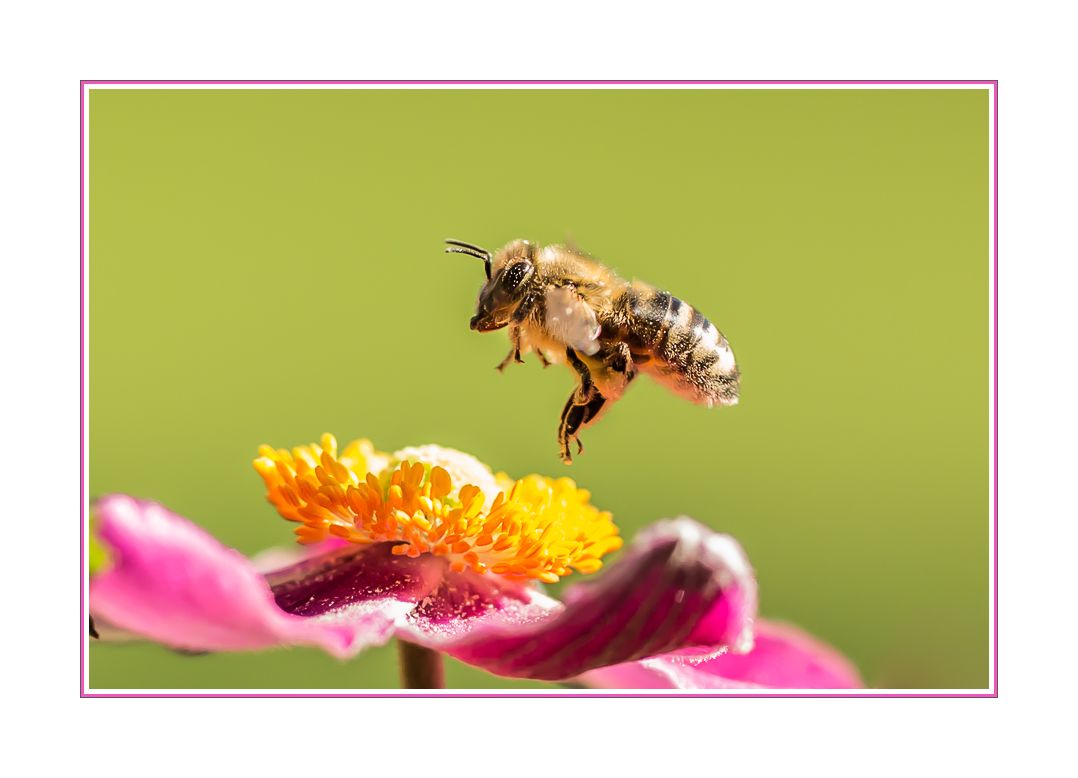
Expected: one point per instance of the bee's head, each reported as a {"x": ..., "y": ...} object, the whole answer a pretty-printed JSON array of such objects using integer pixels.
[{"x": 507, "y": 275}]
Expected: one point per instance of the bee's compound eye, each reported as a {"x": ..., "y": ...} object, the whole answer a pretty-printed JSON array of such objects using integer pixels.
[{"x": 515, "y": 274}]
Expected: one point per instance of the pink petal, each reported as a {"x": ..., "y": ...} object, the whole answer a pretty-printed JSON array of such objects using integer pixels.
[
  {"x": 355, "y": 580},
  {"x": 173, "y": 583},
  {"x": 466, "y": 604},
  {"x": 680, "y": 585},
  {"x": 783, "y": 657}
]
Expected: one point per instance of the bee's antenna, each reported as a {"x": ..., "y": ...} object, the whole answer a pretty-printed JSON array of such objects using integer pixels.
[{"x": 460, "y": 247}]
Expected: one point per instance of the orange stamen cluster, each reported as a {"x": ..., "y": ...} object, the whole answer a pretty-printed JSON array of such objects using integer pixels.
[{"x": 535, "y": 527}]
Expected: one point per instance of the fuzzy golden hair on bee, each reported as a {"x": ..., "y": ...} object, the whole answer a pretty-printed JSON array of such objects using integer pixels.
[{"x": 567, "y": 307}]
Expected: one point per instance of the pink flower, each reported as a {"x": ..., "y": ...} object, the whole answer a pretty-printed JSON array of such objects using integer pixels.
[{"x": 400, "y": 550}]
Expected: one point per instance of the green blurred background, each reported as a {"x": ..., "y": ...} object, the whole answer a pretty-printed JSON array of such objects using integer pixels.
[{"x": 266, "y": 265}]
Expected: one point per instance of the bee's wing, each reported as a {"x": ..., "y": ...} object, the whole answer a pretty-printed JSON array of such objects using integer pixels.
[{"x": 571, "y": 320}]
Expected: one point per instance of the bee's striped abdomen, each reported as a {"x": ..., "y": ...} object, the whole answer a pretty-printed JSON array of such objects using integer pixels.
[{"x": 687, "y": 352}]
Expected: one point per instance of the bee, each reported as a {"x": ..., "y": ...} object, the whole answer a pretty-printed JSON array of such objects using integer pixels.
[{"x": 569, "y": 308}]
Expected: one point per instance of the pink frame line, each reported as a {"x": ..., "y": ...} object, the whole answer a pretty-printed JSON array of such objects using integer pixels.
[{"x": 83, "y": 617}]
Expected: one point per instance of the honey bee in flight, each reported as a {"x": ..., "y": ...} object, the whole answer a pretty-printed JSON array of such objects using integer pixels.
[{"x": 566, "y": 306}]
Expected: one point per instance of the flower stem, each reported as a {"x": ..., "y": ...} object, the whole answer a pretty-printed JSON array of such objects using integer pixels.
[{"x": 420, "y": 668}]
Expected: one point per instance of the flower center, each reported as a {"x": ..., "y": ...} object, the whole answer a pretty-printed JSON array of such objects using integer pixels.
[{"x": 535, "y": 527}]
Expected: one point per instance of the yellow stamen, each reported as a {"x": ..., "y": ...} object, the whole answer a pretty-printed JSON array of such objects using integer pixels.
[{"x": 535, "y": 527}]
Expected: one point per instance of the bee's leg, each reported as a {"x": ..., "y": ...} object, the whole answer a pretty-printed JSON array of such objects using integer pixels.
[
  {"x": 576, "y": 413},
  {"x": 512, "y": 356},
  {"x": 563, "y": 426},
  {"x": 575, "y": 416},
  {"x": 589, "y": 400},
  {"x": 514, "y": 350},
  {"x": 584, "y": 391},
  {"x": 542, "y": 357},
  {"x": 520, "y": 315}
]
